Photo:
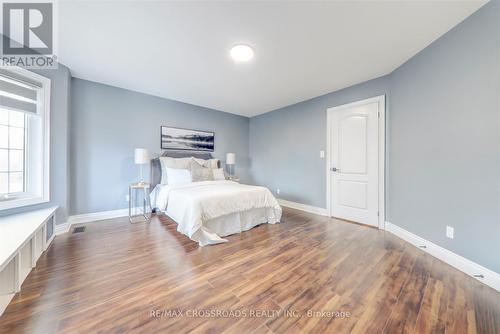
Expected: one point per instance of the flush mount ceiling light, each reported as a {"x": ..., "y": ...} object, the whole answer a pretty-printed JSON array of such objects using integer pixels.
[{"x": 241, "y": 53}]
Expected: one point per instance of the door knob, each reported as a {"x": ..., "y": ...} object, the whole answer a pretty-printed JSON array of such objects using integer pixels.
[{"x": 334, "y": 169}]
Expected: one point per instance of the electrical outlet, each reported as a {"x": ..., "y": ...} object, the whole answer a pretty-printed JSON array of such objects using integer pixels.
[
  {"x": 278, "y": 191},
  {"x": 321, "y": 154},
  {"x": 450, "y": 231},
  {"x": 127, "y": 198}
]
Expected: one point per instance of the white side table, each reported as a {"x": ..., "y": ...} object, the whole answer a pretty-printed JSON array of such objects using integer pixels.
[{"x": 135, "y": 192}]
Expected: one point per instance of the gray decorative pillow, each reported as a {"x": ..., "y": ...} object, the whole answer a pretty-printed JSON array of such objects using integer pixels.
[
  {"x": 210, "y": 163},
  {"x": 200, "y": 173}
]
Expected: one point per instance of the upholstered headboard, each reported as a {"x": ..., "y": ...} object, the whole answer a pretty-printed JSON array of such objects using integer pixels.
[{"x": 156, "y": 167}]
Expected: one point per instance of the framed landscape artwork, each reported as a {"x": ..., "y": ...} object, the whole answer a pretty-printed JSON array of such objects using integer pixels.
[{"x": 188, "y": 140}]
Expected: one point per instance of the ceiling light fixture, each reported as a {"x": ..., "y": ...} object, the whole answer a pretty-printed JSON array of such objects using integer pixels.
[{"x": 241, "y": 53}]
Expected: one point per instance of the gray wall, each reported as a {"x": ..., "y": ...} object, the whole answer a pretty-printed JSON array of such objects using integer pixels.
[
  {"x": 59, "y": 144},
  {"x": 285, "y": 144},
  {"x": 443, "y": 141},
  {"x": 107, "y": 123}
]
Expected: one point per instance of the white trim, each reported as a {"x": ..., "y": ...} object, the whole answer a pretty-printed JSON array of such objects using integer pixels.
[
  {"x": 97, "y": 216},
  {"x": 89, "y": 217},
  {"x": 21, "y": 202},
  {"x": 469, "y": 267},
  {"x": 381, "y": 156},
  {"x": 303, "y": 207},
  {"x": 40, "y": 217},
  {"x": 5, "y": 301},
  {"x": 13, "y": 268},
  {"x": 43, "y": 107},
  {"x": 46, "y": 145},
  {"x": 61, "y": 228}
]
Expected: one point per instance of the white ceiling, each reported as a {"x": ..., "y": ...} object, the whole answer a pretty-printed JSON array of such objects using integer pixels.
[{"x": 180, "y": 50}]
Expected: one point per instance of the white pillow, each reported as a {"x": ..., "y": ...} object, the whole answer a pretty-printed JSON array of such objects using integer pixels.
[
  {"x": 219, "y": 174},
  {"x": 178, "y": 176},
  {"x": 168, "y": 162}
]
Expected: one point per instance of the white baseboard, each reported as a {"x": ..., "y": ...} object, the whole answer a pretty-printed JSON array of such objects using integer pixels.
[
  {"x": 89, "y": 217},
  {"x": 303, "y": 207},
  {"x": 5, "y": 301},
  {"x": 61, "y": 228},
  {"x": 469, "y": 267},
  {"x": 96, "y": 216}
]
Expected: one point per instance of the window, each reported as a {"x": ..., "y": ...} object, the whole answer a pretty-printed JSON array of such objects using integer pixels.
[
  {"x": 12, "y": 153},
  {"x": 24, "y": 138}
]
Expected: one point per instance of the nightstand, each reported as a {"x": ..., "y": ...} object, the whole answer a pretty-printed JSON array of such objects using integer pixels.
[{"x": 139, "y": 208}]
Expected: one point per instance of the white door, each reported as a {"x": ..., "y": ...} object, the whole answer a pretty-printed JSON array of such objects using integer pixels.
[{"x": 354, "y": 163}]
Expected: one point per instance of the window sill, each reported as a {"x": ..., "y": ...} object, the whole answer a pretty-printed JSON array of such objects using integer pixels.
[{"x": 21, "y": 202}]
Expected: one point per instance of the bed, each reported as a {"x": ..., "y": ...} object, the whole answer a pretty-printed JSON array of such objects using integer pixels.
[{"x": 207, "y": 211}]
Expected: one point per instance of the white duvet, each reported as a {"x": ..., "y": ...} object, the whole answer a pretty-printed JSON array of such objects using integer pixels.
[{"x": 192, "y": 205}]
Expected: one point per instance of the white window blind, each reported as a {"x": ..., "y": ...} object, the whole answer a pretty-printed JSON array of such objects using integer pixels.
[{"x": 18, "y": 95}]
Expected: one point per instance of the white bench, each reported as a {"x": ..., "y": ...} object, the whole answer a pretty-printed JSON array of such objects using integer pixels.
[{"x": 23, "y": 238}]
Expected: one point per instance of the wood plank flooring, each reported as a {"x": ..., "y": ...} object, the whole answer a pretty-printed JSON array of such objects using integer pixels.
[{"x": 310, "y": 274}]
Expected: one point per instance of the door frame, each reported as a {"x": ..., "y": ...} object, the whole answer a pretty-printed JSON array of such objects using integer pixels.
[{"x": 381, "y": 154}]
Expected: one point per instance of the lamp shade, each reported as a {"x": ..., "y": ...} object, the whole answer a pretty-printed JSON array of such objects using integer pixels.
[
  {"x": 141, "y": 156},
  {"x": 230, "y": 159}
]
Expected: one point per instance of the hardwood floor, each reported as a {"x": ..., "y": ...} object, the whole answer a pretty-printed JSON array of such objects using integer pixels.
[{"x": 144, "y": 278}]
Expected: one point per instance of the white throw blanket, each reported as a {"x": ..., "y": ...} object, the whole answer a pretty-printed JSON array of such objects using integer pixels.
[{"x": 190, "y": 205}]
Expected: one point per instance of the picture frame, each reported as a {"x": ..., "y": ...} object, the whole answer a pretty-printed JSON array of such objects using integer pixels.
[{"x": 180, "y": 139}]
